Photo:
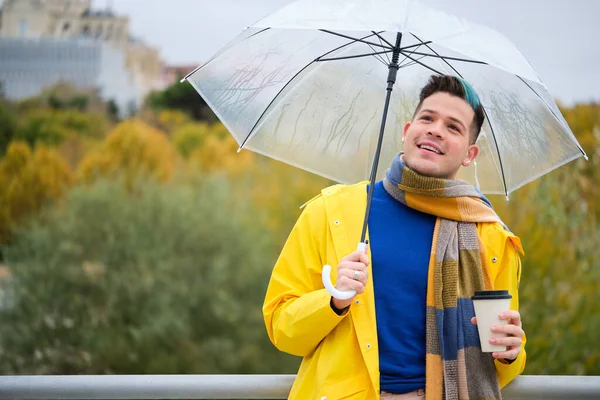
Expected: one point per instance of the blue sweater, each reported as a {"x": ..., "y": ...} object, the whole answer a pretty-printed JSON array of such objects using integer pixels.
[{"x": 400, "y": 241}]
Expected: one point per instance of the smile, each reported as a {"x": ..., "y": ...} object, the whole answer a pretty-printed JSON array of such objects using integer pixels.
[{"x": 430, "y": 148}]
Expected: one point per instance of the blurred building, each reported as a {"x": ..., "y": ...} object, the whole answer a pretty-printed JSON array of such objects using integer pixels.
[
  {"x": 27, "y": 66},
  {"x": 173, "y": 73},
  {"x": 66, "y": 40}
]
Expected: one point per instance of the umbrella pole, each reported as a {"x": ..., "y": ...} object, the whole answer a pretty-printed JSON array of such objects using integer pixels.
[{"x": 393, "y": 71}]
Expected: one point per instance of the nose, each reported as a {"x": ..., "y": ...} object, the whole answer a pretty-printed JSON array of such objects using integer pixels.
[{"x": 436, "y": 130}]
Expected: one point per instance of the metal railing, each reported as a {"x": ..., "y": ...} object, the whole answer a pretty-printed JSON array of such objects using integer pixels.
[{"x": 107, "y": 387}]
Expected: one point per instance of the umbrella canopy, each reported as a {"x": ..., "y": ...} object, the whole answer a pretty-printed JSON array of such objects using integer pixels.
[{"x": 307, "y": 84}]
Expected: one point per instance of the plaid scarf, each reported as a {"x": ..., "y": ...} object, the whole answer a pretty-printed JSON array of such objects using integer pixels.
[{"x": 455, "y": 366}]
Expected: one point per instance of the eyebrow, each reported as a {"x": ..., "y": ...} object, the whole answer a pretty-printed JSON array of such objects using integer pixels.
[{"x": 450, "y": 117}]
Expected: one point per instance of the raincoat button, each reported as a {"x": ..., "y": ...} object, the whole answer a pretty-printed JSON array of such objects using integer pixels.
[
  {"x": 368, "y": 346},
  {"x": 323, "y": 398},
  {"x": 337, "y": 222},
  {"x": 357, "y": 301},
  {"x": 495, "y": 259}
]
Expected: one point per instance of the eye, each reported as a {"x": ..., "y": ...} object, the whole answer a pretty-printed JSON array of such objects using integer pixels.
[
  {"x": 427, "y": 118},
  {"x": 454, "y": 127}
]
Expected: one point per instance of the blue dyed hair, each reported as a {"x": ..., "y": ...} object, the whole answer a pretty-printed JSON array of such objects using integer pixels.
[
  {"x": 457, "y": 87},
  {"x": 471, "y": 96}
]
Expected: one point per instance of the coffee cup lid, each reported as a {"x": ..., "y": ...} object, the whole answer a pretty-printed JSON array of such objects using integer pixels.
[{"x": 491, "y": 295}]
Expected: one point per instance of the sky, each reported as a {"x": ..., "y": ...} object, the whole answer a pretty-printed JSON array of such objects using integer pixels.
[{"x": 559, "y": 38}]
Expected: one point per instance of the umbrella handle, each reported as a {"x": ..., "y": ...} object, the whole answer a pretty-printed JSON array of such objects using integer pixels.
[{"x": 326, "y": 277}]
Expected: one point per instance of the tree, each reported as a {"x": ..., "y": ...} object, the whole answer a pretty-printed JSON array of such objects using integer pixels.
[
  {"x": 182, "y": 97},
  {"x": 557, "y": 218},
  {"x": 71, "y": 132},
  {"x": 214, "y": 152},
  {"x": 190, "y": 137},
  {"x": 114, "y": 113},
  {"x": 132, "y": 149},
  {"x": 165, "y": 280},
  {"x": 43, "y": 128},
  {"x": 167, "y": 120},
  {"x": 8, "y": 125},
  {"x": 64, "y": 96},
  {"x": 28, "y": 181}
]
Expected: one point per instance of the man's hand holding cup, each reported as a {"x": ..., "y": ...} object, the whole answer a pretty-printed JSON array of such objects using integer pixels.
[{"x": 500, "y": 329}]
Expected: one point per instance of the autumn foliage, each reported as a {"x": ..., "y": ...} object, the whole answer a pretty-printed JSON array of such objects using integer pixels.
[
  {"x": 29, "y": 180},
  {"x": 131, "y": 149},
  {"x": 202, "y": 210}
]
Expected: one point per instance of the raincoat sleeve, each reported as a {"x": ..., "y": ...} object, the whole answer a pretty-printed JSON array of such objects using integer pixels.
[
  {"x": 296, "y": 309},
  {"x": 508, "y": 277}
]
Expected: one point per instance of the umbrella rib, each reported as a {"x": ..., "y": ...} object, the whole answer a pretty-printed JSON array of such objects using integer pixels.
[
  {"x": 416, "y": 45},
  {"x": 380, "y": 57},
  {"x": 436, "y": 55},
  {"x": 408, "y": 64},
  {"x": 497, "y": 150},
  {"x": 405, "y": 58},
  {"x": 550, "y": 109},
  {"x": 354, "y": 40},
  {"x": 212, "y": 58},
  {"x": 370, "y": 44},
  {"x": 272, "y": 101},
  {"x": 420, "y": 63},
  {"x": 355, "y": 56},
  {"x": 381, "y": 38},
  {"x": 486, "y": 115}
]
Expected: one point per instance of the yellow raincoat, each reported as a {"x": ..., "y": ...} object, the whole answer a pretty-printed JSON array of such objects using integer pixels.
[{"x": 340, "y": 353}]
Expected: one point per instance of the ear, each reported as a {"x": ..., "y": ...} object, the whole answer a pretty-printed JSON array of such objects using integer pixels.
[
  {"x": 472, "y": 152},
  {"x": 406, "y": 126}
]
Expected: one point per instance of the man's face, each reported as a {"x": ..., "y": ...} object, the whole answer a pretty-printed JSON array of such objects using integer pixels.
[{"x": 438, "y": 141}]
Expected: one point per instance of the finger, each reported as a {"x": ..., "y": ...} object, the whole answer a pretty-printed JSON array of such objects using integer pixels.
[
  {"x": 345, "y": 283},
  {"x": 358, "y": 286},
  {"x": 511, "y": 315},
  {"x": 364, "y": 258},
  {"x": 355, "y": 274},
  {"x": 474, "y": 320},
  {"x": 362, "y": 277},
  {"x": 348, "y": 268},
  {"x": 507, "y": 355},
  {"x": 509, "y": 341},
  {"x": 353, "y": 265},
  {"x": 348, "y": 273},
  {"x": 355, "y": 256},
  {"x": 364, "y": 271},
  {"x": 511, "y": 330}
]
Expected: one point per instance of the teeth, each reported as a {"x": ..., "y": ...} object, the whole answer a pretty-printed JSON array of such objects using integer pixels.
[{"x": 430, "y": 148}]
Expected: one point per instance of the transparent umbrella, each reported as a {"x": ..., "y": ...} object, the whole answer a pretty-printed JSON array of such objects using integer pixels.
[{"x": 314, "y": 84}]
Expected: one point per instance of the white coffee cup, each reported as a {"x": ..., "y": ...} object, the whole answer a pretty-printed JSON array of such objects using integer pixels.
[{"x": 488, "y": 306}]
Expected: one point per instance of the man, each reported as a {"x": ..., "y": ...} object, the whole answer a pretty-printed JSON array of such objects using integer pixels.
[{"x": 433, "y": 241}]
